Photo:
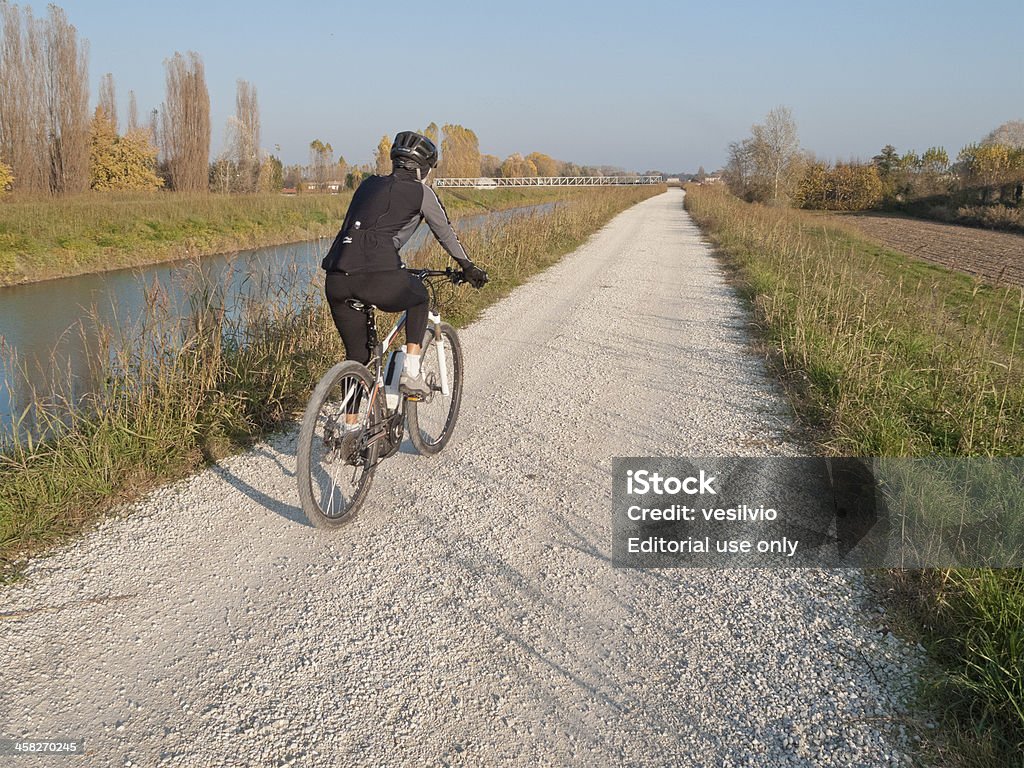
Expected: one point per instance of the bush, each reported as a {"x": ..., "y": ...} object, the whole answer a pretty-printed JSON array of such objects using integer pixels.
[{"x": 6, "y": 178}]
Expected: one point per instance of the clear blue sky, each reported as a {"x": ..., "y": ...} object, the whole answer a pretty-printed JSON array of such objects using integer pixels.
[{"x": 640, "y": 84}]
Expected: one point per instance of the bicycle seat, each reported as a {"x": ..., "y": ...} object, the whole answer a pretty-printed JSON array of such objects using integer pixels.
[{"x": 357, "y": 304}]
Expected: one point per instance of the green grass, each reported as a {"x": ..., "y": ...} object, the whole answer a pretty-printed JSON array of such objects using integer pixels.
[
  {"x": 887, "y": 356},
  {"x": 57, "y": 237},
  {"x": 218, "y": 384}
]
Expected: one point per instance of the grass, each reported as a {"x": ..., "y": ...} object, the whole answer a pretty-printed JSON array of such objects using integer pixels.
[
  {"x": 887, "y": 356},
  {"x": 45, "y": 238},
  {"x": 179, "y": 396}
]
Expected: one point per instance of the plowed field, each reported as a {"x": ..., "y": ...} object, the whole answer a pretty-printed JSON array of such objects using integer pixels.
[{"x": 993, "y": 256}]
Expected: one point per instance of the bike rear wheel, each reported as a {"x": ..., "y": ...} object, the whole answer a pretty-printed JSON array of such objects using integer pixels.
[
  {"x": 334, "y": 467},
  {"x": 432, "y": 419}
]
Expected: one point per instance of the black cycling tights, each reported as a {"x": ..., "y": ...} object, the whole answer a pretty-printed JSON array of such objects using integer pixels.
[{"x": 391, "y": 291}]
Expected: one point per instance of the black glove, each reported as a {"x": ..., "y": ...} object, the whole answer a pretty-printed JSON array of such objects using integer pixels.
[{"x": 474, "y": 275}]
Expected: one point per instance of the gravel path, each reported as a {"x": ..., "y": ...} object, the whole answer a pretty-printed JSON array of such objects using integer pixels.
[{"x": 469, "y": 615}]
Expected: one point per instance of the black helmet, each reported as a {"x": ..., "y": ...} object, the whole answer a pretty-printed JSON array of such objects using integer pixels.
[{"x": 413, "y": 150}]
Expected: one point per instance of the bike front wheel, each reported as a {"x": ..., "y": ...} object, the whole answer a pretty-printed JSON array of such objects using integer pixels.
[
  {"x": 335, "y": 465},
  {"x": 432, "y": 419}
]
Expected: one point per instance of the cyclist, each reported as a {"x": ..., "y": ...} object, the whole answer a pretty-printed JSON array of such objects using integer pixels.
[{"x": 363, "y": 262}]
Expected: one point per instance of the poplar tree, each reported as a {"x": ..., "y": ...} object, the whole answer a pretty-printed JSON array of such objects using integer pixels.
[
  {"x": 382, "y": 156},
  {"x": 247, "y": 137},
  {"x": 186, "y": 123},
  {"x": 44, "y": 100},
  {"x": 108, "y": 99},
  {"x": 133, "y": 112}
]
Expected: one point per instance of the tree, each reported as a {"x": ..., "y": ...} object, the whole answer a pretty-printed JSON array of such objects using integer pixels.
[
  {"x": 382, "y": 157},
  {"x": 120, "y": 162},
  {"x": 67, "y": 104},
  {"x": 44, "y": 100},
  {"x": 742, "y": 174},
  {"x": 886, "y": 161},
  {"x": 246, "y": 147},
  {"x": 23, "y": 141},
  {"x": 357, "y": 174},
  {"x": 517, "y": 166},
  {"x": 460, "y": 153},
  {"x": 935, "y": 160},
  {"x": 490, "y": 166},
  {"x": 545, "y": 164},
  {"x": 320, "y": 160},
  {"x": 433, "y": 133},
  {"x": 186, "y": 123},
  {"x": 293, "y": 177},
  {"x": 102, "y": 150},
  {"x": 844, "y": 187},
  {"x": 133, "y": 112},
  {"x": 108, "y": 99},
  {"x": 701, "y": 175},
  {"x": 271, "y": 175},
  {"x": 776, "y": 150},
  {"x": 569, "y": 169},
  {"x": 992, "y": 166},
  {"x": 1010, "y": 134},
  {"x": 341, "y": 169}
]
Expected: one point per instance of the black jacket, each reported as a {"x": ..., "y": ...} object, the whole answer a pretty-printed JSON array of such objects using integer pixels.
[{"x": 384, "y": 213}]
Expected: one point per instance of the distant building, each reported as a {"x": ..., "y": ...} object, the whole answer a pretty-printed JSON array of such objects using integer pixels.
[{"x": 333, "y": 187}]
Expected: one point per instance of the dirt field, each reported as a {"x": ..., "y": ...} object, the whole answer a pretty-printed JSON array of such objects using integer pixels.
[{"x": 993, "y": 256}]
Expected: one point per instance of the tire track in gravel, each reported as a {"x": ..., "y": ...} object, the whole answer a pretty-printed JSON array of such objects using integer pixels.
[{"x": 470, "y": 614}]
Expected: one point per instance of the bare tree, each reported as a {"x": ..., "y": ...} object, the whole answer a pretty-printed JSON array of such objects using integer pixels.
[
  {"x": 739, "y": 170},
  {"x": 1010, "y": 133},
  {"x": 67, "y": 104},
  {"x": 186, "y": 123},
  {"x": 777, "y": 150},
  {"x": 23, "y": 99},
  {"x": 44, "y": 101},
  {"x": 153, "y": 129},
  {"x": 133, "y": 112},
  {"x": 247, "y": 136},
  {"x": 321, "y": 158},
  {"x": 108, "y": 99}
]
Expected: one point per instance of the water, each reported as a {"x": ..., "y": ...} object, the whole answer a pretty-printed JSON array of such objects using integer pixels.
[{"x": 40, "y": 323}]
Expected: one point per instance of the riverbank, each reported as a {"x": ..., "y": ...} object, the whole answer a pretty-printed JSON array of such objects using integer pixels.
[
  {"x": 884, "y": 355},
  {"x": 227, "y": 379},
  {"x": 48, "y": 238}
]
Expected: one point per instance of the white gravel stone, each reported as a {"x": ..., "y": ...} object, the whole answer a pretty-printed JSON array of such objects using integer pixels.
[{"x": 470, "y": 614}]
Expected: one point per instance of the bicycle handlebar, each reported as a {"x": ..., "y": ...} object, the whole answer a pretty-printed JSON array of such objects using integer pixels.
[{"x": 456, "y": 276}]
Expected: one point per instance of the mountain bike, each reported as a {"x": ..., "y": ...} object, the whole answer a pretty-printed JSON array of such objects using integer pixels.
[{"x": 356, "y": 416}]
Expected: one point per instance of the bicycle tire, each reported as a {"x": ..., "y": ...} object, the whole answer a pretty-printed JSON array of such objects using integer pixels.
[
  {"x": 313, "y": 434},
  {"x": 431, "y": 423}
]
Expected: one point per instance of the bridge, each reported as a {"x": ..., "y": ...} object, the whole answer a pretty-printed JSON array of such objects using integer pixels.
[{"x": 551, "y": 181}]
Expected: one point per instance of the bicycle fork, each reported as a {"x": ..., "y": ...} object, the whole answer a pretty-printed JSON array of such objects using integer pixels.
[{"x": 442, "y": 355}]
